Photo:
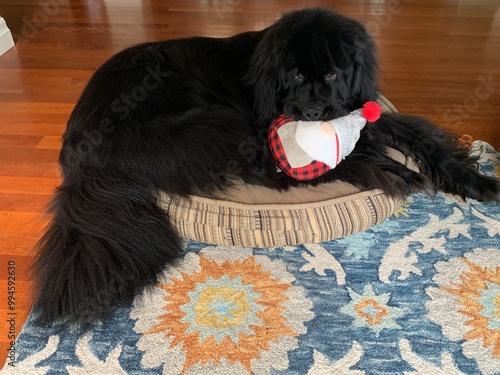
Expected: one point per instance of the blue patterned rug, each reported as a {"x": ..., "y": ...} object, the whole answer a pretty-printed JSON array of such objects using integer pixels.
[{"x": 418, "y": 294}]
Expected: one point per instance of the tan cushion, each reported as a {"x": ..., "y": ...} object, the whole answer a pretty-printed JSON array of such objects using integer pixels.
[{"x": 255, "y": 216}]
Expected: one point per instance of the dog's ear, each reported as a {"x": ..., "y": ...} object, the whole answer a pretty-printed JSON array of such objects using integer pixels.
[
  {"x": 362, "y": 77},
  {"x": 265, "y": 77}
]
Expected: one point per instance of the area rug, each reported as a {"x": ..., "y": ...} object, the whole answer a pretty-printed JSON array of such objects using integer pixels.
[{"x": 417, "y": 294}]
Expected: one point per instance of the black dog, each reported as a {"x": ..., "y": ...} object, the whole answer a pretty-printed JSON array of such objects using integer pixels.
[{"x": 172, "y": 115}]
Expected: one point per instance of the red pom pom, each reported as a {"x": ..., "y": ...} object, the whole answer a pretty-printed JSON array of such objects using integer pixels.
[{"x": 371, "y": 111}]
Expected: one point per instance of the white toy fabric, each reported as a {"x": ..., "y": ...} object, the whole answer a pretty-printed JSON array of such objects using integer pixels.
[{"x": 307, "y": 149}]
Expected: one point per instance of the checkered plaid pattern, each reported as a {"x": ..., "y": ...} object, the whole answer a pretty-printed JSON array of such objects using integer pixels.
[{"x": 308, "y": 172}]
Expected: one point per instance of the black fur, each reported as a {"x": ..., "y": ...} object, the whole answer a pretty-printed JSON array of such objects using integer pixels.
[{"x": 187, "y": 117}]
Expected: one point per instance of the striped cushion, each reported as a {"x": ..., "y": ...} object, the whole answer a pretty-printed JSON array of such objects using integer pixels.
[{"x": 255, "y": 216}]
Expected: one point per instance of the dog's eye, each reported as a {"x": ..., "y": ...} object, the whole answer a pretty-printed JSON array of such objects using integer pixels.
[
  {"x": 299, "y": 77},
  {"x": 330, "y": 77}
]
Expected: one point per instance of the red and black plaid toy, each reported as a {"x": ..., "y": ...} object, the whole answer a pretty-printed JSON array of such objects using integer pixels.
[{"x": 305, "y": 150}]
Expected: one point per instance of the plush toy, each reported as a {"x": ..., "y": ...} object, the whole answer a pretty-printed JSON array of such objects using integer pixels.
[{"x": 308, "y": 149}]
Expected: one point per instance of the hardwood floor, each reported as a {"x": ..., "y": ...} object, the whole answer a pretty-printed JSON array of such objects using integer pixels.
[{"x": 439, "y": 59}]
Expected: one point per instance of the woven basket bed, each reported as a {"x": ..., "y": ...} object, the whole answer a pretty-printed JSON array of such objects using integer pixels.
[{"x": 255, "y": 216}]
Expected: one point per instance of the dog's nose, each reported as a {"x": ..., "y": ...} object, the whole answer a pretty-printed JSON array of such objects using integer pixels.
[{"x": 312, "y": 113}]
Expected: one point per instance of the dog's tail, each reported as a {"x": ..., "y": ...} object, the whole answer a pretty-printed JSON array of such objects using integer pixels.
[{"x": 107, "y": 239}]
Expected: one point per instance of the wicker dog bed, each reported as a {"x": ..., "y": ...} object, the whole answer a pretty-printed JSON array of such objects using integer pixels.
[{"x": 255, "y": 216}]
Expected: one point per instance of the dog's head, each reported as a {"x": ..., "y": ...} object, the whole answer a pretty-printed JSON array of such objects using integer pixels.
[{"x": 313, "y": 64}]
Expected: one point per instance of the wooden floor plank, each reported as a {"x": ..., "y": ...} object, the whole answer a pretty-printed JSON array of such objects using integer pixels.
[
  {"x": 29, "y": 169},
  {"x": 28, "y": 185},
  {"x": 33, "y": 155},
  {"x": 20, "y": 141},
  {"x": 22, "y": 202},
  {"x": 49, "y": 142},
  {"x": 31, "y": 129},
  {"x": 22, "y": 222}
]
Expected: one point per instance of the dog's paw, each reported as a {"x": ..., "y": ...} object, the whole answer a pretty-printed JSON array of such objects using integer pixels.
[
  {"x": 490, "y": 191},
  {"x": 418, "y": 183},
  {"x": 411, "y": 183},
  {"x": 484, "y": 189}
]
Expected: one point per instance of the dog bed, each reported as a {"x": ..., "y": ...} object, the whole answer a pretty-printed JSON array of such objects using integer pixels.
[{"x": 255, "y": 216}]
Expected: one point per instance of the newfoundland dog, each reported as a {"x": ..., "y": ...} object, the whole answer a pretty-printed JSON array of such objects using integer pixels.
[{"x": 190, "y": 116}]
